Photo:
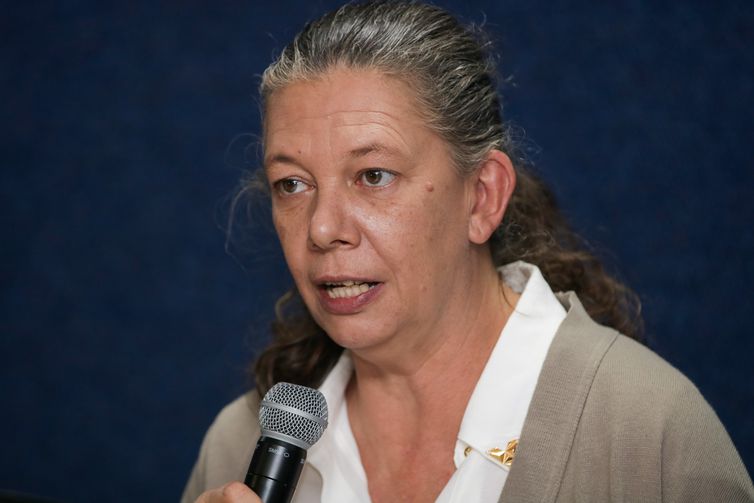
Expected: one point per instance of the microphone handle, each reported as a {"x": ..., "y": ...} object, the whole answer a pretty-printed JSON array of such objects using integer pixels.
[{"x": 275, "y": 469}]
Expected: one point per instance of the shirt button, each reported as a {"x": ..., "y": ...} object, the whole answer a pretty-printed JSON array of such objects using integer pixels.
[{"x": 467, "y": 451}]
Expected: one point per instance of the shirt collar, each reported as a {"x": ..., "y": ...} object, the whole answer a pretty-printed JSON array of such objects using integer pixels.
[
  {"x": 334, "y": 390},
  {"x": 497, "y": 408}
]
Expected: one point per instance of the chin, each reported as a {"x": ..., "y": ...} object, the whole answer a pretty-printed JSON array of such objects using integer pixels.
[{"x": 355, "y": 336}]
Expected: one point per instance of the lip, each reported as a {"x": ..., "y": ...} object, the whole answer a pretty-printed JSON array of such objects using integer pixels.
[{"x": 351, "y": 305}]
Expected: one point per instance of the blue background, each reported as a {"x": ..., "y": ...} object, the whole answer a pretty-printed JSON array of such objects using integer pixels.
[{"x": 125, "y": 325}]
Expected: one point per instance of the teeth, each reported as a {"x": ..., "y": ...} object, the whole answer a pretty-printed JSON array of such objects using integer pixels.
[
  {"x": 346, "y": 289},
  {"x": 344, "y": 283}
]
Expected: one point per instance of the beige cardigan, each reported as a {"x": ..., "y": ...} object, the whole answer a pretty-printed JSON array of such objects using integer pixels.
[{"x": 609, "y": 421}]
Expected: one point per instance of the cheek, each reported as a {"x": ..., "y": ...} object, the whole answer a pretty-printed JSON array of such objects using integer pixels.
[
  {"x": 438, "y": 225},
  {"x": 409, "y": 234},
  {"x": 282, "y": 232},
  {"x": 401, "y": 224},
  {"x": 291, "y": 229},
  {"x": 393, "y": 227}
]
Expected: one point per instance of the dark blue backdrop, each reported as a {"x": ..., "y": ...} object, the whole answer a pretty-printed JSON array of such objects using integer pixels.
[{"x": 125, "y": 326}]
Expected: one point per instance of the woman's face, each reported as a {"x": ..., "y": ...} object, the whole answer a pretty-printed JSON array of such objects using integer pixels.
[{"x": 371, "y": 215}]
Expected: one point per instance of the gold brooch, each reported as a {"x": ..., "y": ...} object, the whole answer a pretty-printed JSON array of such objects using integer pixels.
[{"x": 505, "y": 456}]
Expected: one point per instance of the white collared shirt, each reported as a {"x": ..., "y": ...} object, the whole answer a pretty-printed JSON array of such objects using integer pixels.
[{"x": 494, "y": 415}]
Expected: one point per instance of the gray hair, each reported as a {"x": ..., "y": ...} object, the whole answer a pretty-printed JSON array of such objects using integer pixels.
[{"x": 422, "y": 44}]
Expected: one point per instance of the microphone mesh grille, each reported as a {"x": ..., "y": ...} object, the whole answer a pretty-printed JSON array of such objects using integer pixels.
[{"x": 294, "y": 424}]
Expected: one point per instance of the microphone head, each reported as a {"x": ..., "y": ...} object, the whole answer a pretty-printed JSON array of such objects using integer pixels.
[{"x": 294, "y": 414}]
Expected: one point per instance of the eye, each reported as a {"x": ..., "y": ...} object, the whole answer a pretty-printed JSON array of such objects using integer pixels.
[
  {"x": 288, "y": 186},
  {"x": 376, "y": 177}
]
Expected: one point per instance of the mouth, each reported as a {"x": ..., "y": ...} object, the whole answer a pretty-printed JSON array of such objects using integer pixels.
[{"x": 347, "y": 289}]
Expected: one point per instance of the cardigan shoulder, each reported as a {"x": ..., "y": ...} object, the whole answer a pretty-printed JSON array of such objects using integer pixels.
[
  {"x": 662, "y": 439},
  {"x": 227, "y": 446},
  {"x": 612, "y": 421}
]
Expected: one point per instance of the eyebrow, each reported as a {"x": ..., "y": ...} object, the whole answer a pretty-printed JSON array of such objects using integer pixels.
[
  {"x": 279, "y": 158},
  {"x": 371, "y": 148}
]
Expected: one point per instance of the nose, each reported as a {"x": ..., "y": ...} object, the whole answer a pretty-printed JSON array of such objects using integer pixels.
[{"x": 332, "y": 222}]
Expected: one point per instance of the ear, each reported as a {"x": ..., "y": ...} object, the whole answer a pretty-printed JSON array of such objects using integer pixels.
[{"x": 492, "y": 187}]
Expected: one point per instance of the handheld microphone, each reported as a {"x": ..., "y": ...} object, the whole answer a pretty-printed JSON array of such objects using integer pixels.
[{"x": 292, "y": 418}]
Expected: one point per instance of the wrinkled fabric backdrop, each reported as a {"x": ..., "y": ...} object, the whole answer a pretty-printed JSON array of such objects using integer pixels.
[{"x": 125, "y": 325}]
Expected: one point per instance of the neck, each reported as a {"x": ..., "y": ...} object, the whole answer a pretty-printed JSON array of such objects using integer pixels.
[{"x": 433, "y": 375}]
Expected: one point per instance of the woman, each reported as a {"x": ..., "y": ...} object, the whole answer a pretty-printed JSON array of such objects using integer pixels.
[{"x": 425, "y": 258}]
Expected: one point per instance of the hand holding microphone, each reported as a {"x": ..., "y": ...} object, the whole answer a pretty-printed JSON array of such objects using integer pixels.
[{"x": 291, "y": 419}]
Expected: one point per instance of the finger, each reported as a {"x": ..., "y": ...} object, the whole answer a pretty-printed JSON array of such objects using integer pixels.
[
  {"x": 238, "y": 492},
  {"x": 234, "y": 492}
]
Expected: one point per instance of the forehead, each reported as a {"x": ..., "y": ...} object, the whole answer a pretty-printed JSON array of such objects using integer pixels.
[{"x": 343, "y": 106}]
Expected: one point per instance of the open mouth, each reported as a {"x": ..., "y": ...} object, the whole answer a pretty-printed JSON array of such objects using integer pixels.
[{"x": 347, "y": 289}]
